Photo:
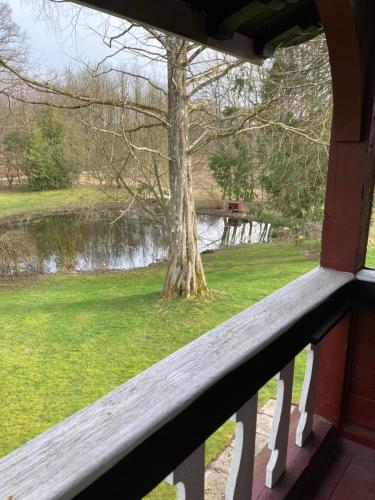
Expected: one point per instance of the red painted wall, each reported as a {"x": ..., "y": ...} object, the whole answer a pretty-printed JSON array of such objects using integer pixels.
[
  {"x": 345, "y": 394},
  {"x": 360, "y": 403},
  {"x": 331, "y": 377}
]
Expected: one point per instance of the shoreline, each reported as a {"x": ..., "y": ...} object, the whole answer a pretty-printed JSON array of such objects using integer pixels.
[
  {"x": 28, "y": 215},
  {"x": 158, "y": 265},
  {"x": 85, "y": 198}
]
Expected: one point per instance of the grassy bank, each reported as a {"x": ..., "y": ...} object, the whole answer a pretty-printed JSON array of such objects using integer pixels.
[
  {"x": 370, "y": 256},
  {"x": 69, "y": 339},
  {"x": 21, "y": 203},
  {"x": 25, "y": 203}
]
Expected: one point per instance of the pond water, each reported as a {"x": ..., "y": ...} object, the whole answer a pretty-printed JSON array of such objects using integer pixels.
[{"x": 105, "y": 241}]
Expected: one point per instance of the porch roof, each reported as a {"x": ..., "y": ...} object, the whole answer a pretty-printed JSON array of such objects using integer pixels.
[{"x": 251, "y": 29}]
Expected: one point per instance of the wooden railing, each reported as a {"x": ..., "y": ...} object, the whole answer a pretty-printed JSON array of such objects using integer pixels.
[
  {"x": 189, "y": 475},
  {"x": 155, "y": 426}
]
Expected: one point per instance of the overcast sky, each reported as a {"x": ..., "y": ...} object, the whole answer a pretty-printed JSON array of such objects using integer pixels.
[{"x": 55, "y": 48}]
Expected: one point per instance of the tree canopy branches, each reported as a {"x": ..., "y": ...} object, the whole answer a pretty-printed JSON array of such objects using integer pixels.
[{"x": 142, "y": 125}]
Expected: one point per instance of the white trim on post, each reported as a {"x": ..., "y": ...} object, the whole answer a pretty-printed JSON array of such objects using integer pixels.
[
  {"x": 240, "y": 481},
  {"x": 306, "y": 404},
  {"x": 278, "y": 442},
  {"x": 189, "y": 476}
]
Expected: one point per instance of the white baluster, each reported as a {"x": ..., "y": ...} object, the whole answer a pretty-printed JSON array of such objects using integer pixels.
[
  {"x": 306, "y": 404},
  {"x": 189, "y": 476},
  {"x": 278, "y": 441},
  {"x": 240, "y": 481}
]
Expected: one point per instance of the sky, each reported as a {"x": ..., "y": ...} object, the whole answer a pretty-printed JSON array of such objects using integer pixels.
[
  {"x": 57, "y": 48},
  {"x": 52, "y": 49}
]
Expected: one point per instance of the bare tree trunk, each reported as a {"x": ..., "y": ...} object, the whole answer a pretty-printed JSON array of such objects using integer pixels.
[{"x": 185, "y": 275}]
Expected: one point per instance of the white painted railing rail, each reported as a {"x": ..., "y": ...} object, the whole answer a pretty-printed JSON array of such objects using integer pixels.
[{"x": 66, "y": 459}]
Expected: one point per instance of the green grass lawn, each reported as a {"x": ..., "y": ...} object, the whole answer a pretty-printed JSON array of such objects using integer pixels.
[
  {"x": 370, "y": 256},
  {"x": 23, "y": 202},
  {"x": 66, "y": 340},
  {"x": 370, "y": 259},
  {"x": 16, "y": 202}
]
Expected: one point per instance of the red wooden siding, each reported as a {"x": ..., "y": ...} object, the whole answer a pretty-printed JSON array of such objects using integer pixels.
[
  {"x": 330, "y": 386},
  {"x": 361, "y": 397},
  {"x": 350, "y": 187}
]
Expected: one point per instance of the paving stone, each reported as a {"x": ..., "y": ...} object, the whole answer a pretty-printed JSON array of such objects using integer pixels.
[
  {"x": 264, "y": 424},
  {"x": 260, "y": 442},
  {"x": 269, "y": 408}
]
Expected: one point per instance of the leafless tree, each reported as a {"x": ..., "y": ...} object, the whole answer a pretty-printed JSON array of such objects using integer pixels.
[
  {"x": 179, "y": 108},
  {"x": 156, "y": 125},
  {"x": 13, "y": 49}
]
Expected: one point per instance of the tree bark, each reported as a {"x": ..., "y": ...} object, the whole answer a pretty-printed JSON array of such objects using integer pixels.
[{"x": 185, "y": 275}]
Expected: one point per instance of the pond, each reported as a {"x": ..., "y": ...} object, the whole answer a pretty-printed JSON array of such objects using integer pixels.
[{"x": 105, "y": 241}]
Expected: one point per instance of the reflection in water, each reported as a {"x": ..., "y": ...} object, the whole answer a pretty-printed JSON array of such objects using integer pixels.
[
  {"x": 76, "y": 242},
  {"x": 215, "y": 232}
]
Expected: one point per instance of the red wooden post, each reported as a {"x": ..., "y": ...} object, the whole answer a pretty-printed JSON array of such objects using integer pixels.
[{"x": 350, "y": 33}]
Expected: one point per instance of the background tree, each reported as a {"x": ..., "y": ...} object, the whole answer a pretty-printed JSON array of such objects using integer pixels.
[
  {"x": 13, "y": 47},
  {"x": 294, "y": 148},
  {"x": 234, "y": 169},
  {"x": 47, "y": 162},
  {"x": 13, "y": 50},
  {"x": 14, "y": 149},
  {"x": 179, "y": 107},
  {"x": 143, "y": 129},
  {"x": 288, "y": 145}
]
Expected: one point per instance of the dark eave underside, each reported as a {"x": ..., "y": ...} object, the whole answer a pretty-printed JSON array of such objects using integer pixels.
[
  {"x": 270, "y": 23},
  {"x": 251, "y": 29}
]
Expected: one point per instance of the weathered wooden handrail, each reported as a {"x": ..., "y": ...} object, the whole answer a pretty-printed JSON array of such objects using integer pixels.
[{"x": 125, "y": 443}]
